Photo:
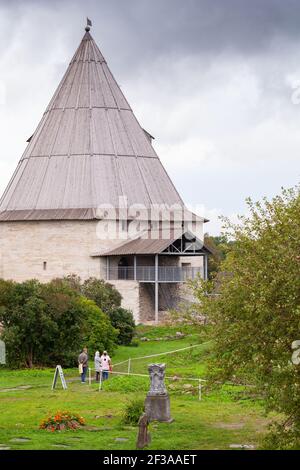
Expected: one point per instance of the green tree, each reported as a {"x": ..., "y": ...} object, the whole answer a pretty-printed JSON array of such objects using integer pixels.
[
  {"x": 46, "y": 324},
  {"x": 108, "y": 299},
  {"x": 219, "y": 246},
  {"x": 23, "y": 314},
  {"x": 123, "y": 321},
  {"x": 105, "y": 295},
  {"x": 256, "y": 315},
  {"x": 98, "y": 332}
]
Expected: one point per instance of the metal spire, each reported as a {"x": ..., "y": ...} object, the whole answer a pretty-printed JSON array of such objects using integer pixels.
[{"x": 88, "y": 25}]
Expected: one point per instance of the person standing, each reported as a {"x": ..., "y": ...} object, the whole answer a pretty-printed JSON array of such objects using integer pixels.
[
  {"x": 97, "y": 360},
  {"x": 105, "y": 365},
  {"x": 83, "y": 363}
]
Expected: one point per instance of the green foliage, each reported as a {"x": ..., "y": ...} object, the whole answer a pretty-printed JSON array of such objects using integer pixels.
[
  {"x": 108, "y": 299},
  {"x": 282, "y": 436},
  {"x": 102, "y": 293},
  {"x": 256, "y": 315},
  {"x": 220, "y": 247},
  {"x": 47, "y": 324},
  {"x": 98, "y": 331},
  {"x": 133, "y": 411},
  {"x": 123, "y": 321}
]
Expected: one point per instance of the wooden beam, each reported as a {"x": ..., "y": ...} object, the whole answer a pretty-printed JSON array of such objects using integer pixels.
[
  {"x": 107, "y": 268},
  {"x": 156, "y": 288},
  {"x": 134, "y": 267}
]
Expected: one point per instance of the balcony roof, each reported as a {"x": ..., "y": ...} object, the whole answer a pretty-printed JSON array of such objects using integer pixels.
[{"x": 145, "y": 245}]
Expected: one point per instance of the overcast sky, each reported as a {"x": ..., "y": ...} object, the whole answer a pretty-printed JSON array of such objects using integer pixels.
[{"x": 216, "y": 82}]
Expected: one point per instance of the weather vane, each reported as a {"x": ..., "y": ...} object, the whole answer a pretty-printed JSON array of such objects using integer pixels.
[{"x": 88, "y": 24}]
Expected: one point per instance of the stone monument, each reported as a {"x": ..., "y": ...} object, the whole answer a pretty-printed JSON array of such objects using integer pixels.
[
  {"x": 157, "y": 404},
  {"x": 144, "y": 438}
]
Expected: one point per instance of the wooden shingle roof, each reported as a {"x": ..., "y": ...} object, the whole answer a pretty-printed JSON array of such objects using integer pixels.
[{"x": 88, "y": 150}]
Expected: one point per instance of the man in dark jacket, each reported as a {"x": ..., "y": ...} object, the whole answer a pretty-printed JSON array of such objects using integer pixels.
[{"x": 83, "y": 361}]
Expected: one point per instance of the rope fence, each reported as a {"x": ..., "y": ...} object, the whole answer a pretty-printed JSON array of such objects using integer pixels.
[
  {"x": 166, "y": 377},
  {"x": 128, "y": 369}
]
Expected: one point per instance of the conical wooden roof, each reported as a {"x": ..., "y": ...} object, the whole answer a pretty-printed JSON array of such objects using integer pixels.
[{"x": 88, "y": 150}]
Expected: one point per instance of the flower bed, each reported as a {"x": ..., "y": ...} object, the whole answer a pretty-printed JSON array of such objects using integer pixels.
[{"x": 61, "y": 421}]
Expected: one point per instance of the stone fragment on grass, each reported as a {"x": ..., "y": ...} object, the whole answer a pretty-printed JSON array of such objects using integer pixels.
[
  {"x": 93, "y": 428},
  {"x": 188, "y": 386},
  {"x": 179, "y": 335},
  {"x": 15, "y": 389},
  {"x": 230, "y": 425},
  {"x": 121, "y": 439},
  {"x": 20, "y": 439},
  {"x": 173, "y": 387},
  {"x": 242, "y": 446},
  {"x": 65, "y": 446}
]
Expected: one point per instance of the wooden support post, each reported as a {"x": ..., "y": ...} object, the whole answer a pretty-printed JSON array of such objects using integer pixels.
[
  {"x": 134, "y": 266},
  {"x": 156, "y": 288},
  {"x": 107, "y": 268},
  {"x": 205, "y": 268}
]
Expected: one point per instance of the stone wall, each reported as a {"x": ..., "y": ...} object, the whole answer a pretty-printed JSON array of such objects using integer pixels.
[
  {"x": 65, "y": 247},
  {"x": 130, "y": 291},
  {"x": 47, "y": 249},
  {"x": 194, "y": 261},
  {"x": 146, "y": 303}
]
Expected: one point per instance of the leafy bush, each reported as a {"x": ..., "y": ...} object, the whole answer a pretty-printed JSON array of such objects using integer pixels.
[
  {"x": 99, "y": 333},
  {"x": 47, "y": 324},
  {"x": 108, "y": 299},
  {"x": 102, "y": 293},
  {"x": 123, "y": 321},
  {"x": 256, "y": 314},
  {"x": 133, "y": 411}
]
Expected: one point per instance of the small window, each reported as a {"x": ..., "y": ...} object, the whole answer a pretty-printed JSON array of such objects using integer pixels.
[
  {"x": 186, "y": 265},
  {"x": 45, "y": 265},
  {"x": 124, "y": 225}
]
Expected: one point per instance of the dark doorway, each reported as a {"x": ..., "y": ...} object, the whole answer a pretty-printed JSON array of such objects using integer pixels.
[{"x": 123, "y": 269}]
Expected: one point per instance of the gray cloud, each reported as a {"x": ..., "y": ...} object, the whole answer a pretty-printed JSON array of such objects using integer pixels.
[{"x": 212, "y": 79}]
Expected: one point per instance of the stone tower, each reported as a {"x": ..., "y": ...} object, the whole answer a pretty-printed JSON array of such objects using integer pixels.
[{"x": 82, "y": 196}]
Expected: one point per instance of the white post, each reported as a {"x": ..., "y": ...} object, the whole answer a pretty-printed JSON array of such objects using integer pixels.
[
  {"x": 90, "y": 377},
  {"x": 129, "y": 364},
  {"x": 200, "y": 391},
  {"x": 156, "y": 288},
  {"x": 100, "y": 381}
]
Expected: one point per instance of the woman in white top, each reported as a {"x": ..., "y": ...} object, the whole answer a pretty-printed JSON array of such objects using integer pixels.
[
  {"x": 97, "y": 360},
  {"x": 105, "y": 365}
]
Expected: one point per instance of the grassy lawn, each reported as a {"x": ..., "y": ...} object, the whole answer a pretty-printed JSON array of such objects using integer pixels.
[{"x": 222, "y": 418}]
